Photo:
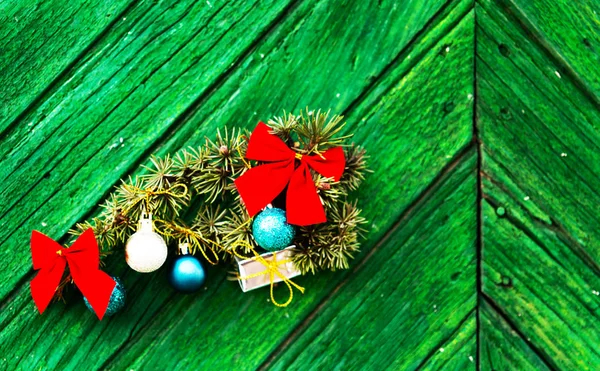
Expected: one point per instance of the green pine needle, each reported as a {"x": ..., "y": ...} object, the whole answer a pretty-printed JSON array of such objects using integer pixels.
[{"x": 317, "y": 132}]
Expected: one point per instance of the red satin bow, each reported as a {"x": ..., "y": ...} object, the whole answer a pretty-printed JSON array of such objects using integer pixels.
[
  {"x": 261, "y": 184},
  {"x": 50, "y": 259}
]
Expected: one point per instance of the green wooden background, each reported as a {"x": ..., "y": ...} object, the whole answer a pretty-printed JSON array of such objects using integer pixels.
[{"x": 483, "y": 124}]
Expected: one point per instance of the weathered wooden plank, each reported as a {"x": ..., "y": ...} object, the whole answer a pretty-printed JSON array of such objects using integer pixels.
[
  {"x": 568, "y": 29},
  {"x": 224, "y": 301},
  {"x": 547, "y": 292},
  {"x": 402, "y": 84},
  {"x": 407, "y": 301},
  {"x": 40, "y": 39},
  {"x": 395, "y": 107},
  {"x": 554, "y": 118},
  {"x": 133, "y": 92},
  {"x": 398, "y": 107},
  {"x": 539, "y": 133},
  {"x": 459, "y": 351},
  {"x": 501, "y": 347}
]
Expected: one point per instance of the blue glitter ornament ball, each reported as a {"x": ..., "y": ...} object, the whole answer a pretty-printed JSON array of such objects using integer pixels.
[
  {"x": 271, "y": 230},
  {"x": 187, "y": 274},
  {"x": 117, "y": 299}
]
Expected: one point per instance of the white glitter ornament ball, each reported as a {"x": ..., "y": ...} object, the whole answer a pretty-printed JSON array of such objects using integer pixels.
[{"x": 146, "y": 250}]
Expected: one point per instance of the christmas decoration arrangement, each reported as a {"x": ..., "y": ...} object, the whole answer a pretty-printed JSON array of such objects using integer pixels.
[{"x": 277, "y": 202}]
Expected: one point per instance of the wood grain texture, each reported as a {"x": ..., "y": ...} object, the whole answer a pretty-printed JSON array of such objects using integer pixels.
[
  {"x": 388, "y": 319},
  {"x": 339, "y": 322},
  {"x": 502, "y": 348},
  {"x": 459, "y": 350},
  {"x": 65, "y": 163},
  {"x": 156, "y": 318},
  {"x": 143, "y": 351},
  {"x": 39, "y": 39},
  {"x": 397, "y": 105},
  {"x": 546, "y": 291},
  {"x": 568, "y": 30},
  {"x": 539, "y": 133},
  {"x": 91, "y": 90}
]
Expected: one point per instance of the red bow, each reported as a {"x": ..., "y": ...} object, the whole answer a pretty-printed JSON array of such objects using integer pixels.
[
  {"x": 260, "y": 185},
  {"x": 50, "y": 259}
]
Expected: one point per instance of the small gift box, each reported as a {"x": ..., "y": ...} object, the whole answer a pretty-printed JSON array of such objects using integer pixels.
[{"x": 254, "y": 273}]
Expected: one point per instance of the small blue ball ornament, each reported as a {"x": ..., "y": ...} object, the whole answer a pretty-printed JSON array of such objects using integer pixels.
[
  {"x": 271, "y": 230},
  {"x": 117, "y": 299},
  {"x": 187, "y": 274}
]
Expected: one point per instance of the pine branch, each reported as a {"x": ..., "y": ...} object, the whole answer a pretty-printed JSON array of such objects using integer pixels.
[
  {"x": 225, "y": 161},
  {"x": 284, "y": 126},
  {"x": 207, "y": 172},
  {"x": 330, "y": 245},
  {"x": 330, "y": 191},
  {"x": 190, "y": 163},
  {"x": 316, "y": 132},
  {"x": 356, "y": 167},
  {"x": 209, "y": 221},
  {"x": 161, "y": 175},
  {"x": 237, "y": 231},
  {"x": 224, "y": 152}
]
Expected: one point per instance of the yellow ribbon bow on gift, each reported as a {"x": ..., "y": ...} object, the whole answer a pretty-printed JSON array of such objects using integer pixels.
[{"x": 272, "y": 269}]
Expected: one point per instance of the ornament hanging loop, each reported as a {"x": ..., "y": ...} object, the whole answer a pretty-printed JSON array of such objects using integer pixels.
[
  {"x": 145, "y": 223},
  {"x": 184, "y": 248}
]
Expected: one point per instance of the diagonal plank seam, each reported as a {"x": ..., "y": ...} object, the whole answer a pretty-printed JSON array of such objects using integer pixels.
[
  {"x": 541, "y": 355},
  {"x": 576, "y": 172},
  {"x": 440, "y": 344},
  {"x": 180, "y": 119},
  {"x": 39, "y": 98},
  {"x": 109, "y": 113},
  {"x": 411, "y": 209},
  {"x": 437, "y": 17},
  {"x": 534, "y": 83},
  {"x": 40, "y": 335},
  {"x": 131, "y": 335},
  {"x": 479, "y": 197},
  {"x": 527, "y": 232},
  {"x": 530, "y": 235},
  {"x": 554, "y": 227},
  {"x": 541, "y": 90},
  {"x": 15, "y": 290},
  {"x": 134, "y": 336},
  {"x": 519, "y": 18}
]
